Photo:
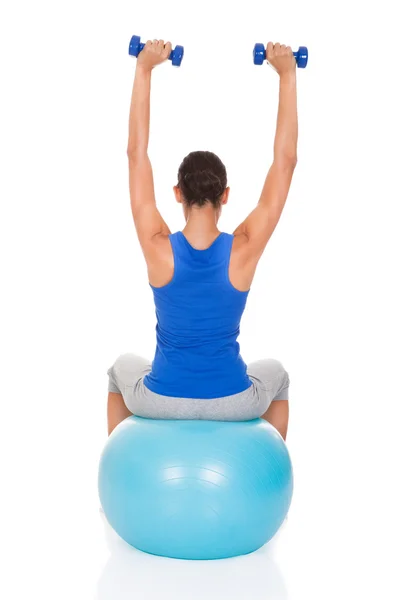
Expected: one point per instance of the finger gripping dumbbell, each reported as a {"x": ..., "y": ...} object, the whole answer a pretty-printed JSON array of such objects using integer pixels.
[
  {"x": 301, "y": 56},
  {"x": 136, "y": 46}
]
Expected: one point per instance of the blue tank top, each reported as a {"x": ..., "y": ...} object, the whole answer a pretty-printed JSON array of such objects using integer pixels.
[{"x": 198, "y": 322}]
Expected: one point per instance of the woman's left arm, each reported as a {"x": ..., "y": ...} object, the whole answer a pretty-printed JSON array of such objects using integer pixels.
[{"x": 148, "y": 221}]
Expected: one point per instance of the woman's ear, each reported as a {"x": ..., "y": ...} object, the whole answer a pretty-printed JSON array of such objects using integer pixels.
[
  {"x": 178, "y": 194},
  {"x": 225, "y": 196}
]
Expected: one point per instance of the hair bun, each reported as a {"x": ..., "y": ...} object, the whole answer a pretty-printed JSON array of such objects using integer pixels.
[{"x": 205, "y": 184}]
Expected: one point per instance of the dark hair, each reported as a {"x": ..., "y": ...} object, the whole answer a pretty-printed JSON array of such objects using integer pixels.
[{"x": 202, "y": 178}]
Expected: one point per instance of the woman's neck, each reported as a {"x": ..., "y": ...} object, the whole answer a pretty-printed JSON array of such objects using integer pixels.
[{"x": 201, "y": 227}]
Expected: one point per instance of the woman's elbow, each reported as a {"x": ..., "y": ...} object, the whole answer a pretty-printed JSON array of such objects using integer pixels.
[
  {"x": 287, "y": 160},
  {"x": 131, "y": 152},
  {"x": 135, "y": 154}
]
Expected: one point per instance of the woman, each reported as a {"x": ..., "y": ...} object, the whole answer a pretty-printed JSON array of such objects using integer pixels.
[{"x": 201, "y": 277}]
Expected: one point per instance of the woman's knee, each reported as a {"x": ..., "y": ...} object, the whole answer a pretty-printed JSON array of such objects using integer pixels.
[
  {"x": 275, "y": 365},
  {"x": 273, "y": 377},
  {"x": 128, "y": 370},
  {"x": 283, "y": 381},
  {"x": 116, "y": 372},
  {"x": 267, "y": 369},
  {"x": 124, "y": 361},
  {"x": 126, "y": 365}
]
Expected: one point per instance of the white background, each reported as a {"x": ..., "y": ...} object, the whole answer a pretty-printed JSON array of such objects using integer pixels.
[{"x": 74, "y": 295}]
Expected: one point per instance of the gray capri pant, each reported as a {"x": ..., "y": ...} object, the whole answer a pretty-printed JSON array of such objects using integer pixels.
[{"x": 270, "y": 382}]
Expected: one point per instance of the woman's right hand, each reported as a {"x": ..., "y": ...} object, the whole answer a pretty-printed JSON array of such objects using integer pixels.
[
  {"x": 281, "y": 58},
  {"x": 154, "y": 53}
]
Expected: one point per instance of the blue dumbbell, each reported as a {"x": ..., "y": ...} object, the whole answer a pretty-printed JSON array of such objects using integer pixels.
[
  {"x": 135, "y": 47},
  {"x": 301, "y": 56}
]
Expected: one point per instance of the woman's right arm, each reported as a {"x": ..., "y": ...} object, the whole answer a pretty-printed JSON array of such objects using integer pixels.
[
  {"x": 260, "y": 224},
  {"x": 148, "y": 221}
]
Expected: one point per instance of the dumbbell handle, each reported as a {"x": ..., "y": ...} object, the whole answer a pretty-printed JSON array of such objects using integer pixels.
[
  {"x": 298, "y": 55},
  {"x": 141, "y": 46}
]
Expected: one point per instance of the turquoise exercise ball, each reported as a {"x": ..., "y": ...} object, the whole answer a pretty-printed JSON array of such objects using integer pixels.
[{"x": 195, "y": 489}]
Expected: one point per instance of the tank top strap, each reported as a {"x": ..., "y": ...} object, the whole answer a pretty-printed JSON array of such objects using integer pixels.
[
  {"x": 176, "y": 243},
  {"x": 225, "y": 247}
]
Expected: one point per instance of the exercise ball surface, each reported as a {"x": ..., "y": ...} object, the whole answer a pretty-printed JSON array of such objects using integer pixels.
[{"x": 195, "y": 489}]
